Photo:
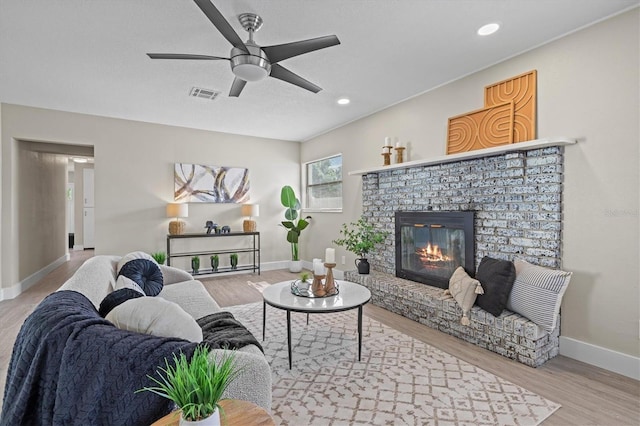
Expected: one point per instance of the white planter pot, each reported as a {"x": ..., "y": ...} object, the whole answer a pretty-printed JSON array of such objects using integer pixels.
[
  {"x": 295, "y": 265},
  {"x": 212, "y": 420}
]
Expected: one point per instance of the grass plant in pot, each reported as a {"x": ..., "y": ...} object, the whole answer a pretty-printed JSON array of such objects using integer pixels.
[
  {"x": 294, "y": 224},
  {"x": 196, "y": 386},
  {"x": 360, "y": 238},
  {"x": 159, "y": 257}
]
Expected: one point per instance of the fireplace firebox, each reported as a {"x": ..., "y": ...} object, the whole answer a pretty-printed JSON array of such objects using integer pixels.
[{"x": 431, "y": 245}]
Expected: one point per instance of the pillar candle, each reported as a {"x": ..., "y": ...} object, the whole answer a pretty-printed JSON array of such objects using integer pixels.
[
  {"x": 387, "y": 141},
  {"x": 330, "y": 255},
  {"x": 318, "y": 267}
]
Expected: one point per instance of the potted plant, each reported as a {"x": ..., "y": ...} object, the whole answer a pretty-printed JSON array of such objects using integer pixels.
[
  {"x": 215, "y": 262},
  {"x": 196, "y": 386},
  {"x": 195, "y": 264},
  {"x": 233, "y": 257},
  {"x": 360, "y": 239},
  {"x": 159, "y": 257},
  {"x": 294, "y": 224}
]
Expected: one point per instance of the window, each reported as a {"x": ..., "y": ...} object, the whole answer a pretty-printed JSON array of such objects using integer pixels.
[{"x": 323, "y": 189}]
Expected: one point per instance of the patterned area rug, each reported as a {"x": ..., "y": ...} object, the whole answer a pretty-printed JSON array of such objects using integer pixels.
[{"x": 400, "y": 380}]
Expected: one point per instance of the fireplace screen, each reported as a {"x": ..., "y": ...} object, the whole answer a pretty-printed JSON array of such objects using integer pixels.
[{"x": 431, "y": 245}]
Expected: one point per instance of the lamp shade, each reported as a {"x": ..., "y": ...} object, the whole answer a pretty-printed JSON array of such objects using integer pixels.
[
  {"x": 177, "y": 210},
  {"x": 251, "y": 210}
]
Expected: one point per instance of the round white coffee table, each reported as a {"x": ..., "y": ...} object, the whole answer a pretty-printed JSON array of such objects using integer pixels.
[{"x": 279, "y": 296}]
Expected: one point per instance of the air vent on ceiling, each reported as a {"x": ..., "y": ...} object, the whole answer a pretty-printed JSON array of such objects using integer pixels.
[{"x": 199, "y": 92}]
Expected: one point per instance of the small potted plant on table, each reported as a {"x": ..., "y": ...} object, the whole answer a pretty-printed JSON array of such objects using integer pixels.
[
  {"x": 360, "y": 240},
  {"x": 215, "y": 262},
  {"x": 196, "y": 386},
  {"x": 195, "y": 264},
  {"x": 233, "y": 258}
]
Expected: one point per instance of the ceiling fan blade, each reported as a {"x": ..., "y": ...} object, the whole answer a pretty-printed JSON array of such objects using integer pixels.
[
  {"x": 221, "y": 23},
  {"x": 281, "y": 52},
  {"x": 281, "y": 73},
  {"x": 236, "y": 87},
  {"x": 182, "y": 56}
]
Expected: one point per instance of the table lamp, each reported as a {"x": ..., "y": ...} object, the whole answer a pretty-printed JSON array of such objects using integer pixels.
[
  {"x": 177, "y": 210},
  {"x": 251, "y": 211}
]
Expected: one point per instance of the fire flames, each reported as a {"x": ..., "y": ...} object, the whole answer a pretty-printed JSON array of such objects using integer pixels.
[{"x": 431, "y": 254}]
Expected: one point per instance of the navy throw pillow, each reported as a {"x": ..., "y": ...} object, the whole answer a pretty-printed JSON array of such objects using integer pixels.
[
  {"x": 115, "y": 298},
  {"x": 146, "y": 273},
  {"x": 497, "y": 277}
]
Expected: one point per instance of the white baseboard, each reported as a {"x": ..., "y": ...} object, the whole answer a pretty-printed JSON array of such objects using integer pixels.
[
  {"x": 17, "y": 289},
  {"x": 608, "y": 359},
  {"x": 78, "y": 247}
]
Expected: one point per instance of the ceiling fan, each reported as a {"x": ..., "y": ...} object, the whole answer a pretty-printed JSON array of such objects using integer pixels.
[{"x": 250, "y": 62}]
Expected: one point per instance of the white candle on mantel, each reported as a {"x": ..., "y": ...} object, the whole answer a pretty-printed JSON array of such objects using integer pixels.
[
  {"x": 387, "y": 141},
  {"x": 330, "y": 255},
  {"x": 398, "y": 145}
]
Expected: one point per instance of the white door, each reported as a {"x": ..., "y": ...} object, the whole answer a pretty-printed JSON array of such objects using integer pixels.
[
  {"x": 87, "y": 178},
  {"x": 88, "y": 228}
]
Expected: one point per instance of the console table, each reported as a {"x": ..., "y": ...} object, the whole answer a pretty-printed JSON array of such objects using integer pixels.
[{"x": 253, "y": 248}]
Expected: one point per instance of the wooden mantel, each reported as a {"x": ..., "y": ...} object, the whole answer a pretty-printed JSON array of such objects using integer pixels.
[{"x": 520, "y": 146}]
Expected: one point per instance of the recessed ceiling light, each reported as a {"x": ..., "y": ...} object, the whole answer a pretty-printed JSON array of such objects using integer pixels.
[
  {"x": 343, "y": 101},
  {"x": 489, "y": 29}
]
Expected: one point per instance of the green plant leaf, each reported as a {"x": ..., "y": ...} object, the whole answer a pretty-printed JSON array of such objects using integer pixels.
[
  {"x": 288, "y": 197},
  {"x": 292, "y": 236},
  {"x": 291, "y": 214},
  {"x": 288, "y": 225}
]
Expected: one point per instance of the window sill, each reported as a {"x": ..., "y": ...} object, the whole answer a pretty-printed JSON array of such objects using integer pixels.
[{"x": 322, "y": 210}]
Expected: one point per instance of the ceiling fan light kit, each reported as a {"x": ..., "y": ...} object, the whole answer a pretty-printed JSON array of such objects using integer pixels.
[{"x": 249, "y": 61}]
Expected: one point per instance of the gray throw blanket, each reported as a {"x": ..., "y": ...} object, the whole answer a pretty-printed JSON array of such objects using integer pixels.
[
  {"x": 221, "y": 330},
  {"x": 71, "y": 367}
]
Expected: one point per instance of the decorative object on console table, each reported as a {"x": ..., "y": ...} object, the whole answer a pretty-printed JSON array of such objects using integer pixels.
[
  {"x": 294, "y": 224},
  {"x": 211, "y": 227},
  {"x": 360, "y": 240},
  {"x": 177, "y": 210},
  {"x": 233, "y": 258},
  {"x": 196, "y": 386},
  {"x": 195, "y": 264},
  {"x": 251, "y": 211}
]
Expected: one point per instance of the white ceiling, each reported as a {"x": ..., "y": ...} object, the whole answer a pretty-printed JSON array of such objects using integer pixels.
[{"x": 89, "y": 56}]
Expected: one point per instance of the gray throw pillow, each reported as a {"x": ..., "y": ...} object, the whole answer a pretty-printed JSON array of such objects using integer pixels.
[{"x": 537, "y": 293}]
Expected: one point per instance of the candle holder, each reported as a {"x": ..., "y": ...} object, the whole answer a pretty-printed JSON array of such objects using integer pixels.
[
  {"x": 329, "y": 283},
  {"x": 399, "y": 154},
  {"x": 317, "y": 287},
  {"x": 386, "y": 154}
]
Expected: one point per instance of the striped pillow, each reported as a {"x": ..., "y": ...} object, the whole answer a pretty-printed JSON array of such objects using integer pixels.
[{"x": 537, "y": 293}]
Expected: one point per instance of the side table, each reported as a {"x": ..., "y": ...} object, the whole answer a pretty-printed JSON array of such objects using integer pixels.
[{"x": 236, "y": 413}]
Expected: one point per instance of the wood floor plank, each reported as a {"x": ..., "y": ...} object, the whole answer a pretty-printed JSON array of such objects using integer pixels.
[{"x": 589, "y": 395}]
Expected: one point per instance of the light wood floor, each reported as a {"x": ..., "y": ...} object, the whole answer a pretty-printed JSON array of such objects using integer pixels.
[{"x": 589, "y": 395}]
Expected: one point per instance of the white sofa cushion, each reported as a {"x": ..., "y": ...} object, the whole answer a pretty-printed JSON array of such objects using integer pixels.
[{"x": 155, "y": 316}]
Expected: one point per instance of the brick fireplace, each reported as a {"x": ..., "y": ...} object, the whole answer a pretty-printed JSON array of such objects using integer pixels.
[
  {"x": 516, "y": 200},
  {"x": 516, "y": 197}
]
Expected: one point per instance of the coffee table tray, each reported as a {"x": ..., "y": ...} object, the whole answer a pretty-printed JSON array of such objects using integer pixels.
[{"x": 296, "y": 290}]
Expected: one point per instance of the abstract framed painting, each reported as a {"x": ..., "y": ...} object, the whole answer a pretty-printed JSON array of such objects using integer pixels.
[{"x": 195, "y": 183}]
